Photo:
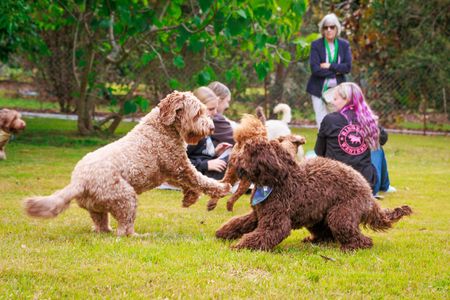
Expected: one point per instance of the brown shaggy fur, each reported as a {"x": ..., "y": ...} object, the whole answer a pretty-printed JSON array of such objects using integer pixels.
[
  {"x": 109, "y": 179},
  {"x": 327, "y": 197},
  {"x": 10, "y": 122},
  {"x": 250, "y": 128}
]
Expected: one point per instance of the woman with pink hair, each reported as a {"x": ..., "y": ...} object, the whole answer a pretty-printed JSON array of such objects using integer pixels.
[{"x": 349, "y": 134}]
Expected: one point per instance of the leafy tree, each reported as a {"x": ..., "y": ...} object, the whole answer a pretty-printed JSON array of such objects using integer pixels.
[{"x": 166, "y": 45}]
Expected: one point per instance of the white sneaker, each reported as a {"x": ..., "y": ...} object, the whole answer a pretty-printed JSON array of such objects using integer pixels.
[
  {"x": 391, "y": 189},
  {"x": 166, "y": 186}
]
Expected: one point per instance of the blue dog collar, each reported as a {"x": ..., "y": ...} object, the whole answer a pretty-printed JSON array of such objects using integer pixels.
[{"x": 261, "y": 194}]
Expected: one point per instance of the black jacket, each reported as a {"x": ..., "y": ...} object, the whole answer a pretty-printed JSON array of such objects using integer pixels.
[{"x": 341, "y": 140}]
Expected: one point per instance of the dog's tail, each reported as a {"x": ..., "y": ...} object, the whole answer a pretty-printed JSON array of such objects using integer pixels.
[
  {"x": 260, "y": 114},
  {"x": 286, "y": 110},
  {"x": 379, "y": 219},
  {"x": 53, "y": 205}
]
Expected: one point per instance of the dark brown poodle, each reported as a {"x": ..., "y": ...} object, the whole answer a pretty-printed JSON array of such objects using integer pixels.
[{"x": 327, "y": 197}]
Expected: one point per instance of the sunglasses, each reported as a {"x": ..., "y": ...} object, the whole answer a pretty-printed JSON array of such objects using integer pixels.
[{"x": 332, "y": 27}]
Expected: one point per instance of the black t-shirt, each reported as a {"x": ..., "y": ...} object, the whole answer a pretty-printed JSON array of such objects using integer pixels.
[{"x": 342, "y": 140}]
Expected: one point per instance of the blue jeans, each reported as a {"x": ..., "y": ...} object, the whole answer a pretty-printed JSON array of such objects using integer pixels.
[{"x": 379, "y": 161}]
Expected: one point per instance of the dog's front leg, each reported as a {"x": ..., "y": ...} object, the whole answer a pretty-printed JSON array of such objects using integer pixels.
[
  {"x": 229, "y": 177},
  {"x": 190, "y": 178},
  {"x": 244, "y": 185},
  {"x": 271, "y": 230},
  {"x": 238, "y": 226}
]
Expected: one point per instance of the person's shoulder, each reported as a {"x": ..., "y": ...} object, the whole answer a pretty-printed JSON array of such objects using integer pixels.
[
  {"x": 317, "y": 42},
  {"x": 218, "y": 117},
  {"x": 333, "y": 116},
  {"x": 328, "y": 119}
]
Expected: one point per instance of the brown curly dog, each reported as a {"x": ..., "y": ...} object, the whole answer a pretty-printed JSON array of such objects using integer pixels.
[
  {"x": 109, "y": 179},
  {"x": 327, "y": 197}
]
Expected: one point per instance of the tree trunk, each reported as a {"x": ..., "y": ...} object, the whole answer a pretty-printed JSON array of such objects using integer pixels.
[{"x": 85, "y": 102}]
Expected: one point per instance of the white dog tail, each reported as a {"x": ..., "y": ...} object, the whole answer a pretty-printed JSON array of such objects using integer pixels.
[
  {"x": 286, "y": 110},
  {"x": 53, "y": 205}
]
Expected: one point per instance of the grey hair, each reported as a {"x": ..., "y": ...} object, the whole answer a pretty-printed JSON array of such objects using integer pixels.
[{"x": 330, "y": 19}]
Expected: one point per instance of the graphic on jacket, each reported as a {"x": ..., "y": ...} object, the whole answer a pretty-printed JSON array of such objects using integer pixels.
[{"x": 351, "y": 140}]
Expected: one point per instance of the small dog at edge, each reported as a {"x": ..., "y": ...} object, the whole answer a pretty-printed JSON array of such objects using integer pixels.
[{"x": 10, "y": 123}]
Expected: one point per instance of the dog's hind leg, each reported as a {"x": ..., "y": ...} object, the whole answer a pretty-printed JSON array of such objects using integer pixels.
[
  {"x": 345, "y": 228},
  {"x": 123, "y": 207},
  {"x": 125, "y": 214},
  {"x": 320, "y": 233},
  {"x": 238, "y": 226},
  {"x": 271, "y": 230},
  {"x": 101, "y": 221}
]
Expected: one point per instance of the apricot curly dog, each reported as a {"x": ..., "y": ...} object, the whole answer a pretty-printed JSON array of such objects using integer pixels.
[
  {"x": 327, "y": 197},
  {"x": 109, "y": 179}
]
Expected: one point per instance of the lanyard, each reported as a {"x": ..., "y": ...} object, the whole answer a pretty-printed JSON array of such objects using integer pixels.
[{"x": 332, "y": 59}]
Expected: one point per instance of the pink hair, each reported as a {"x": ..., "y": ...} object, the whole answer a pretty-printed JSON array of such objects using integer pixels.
[{"x": 364, "y": 115}]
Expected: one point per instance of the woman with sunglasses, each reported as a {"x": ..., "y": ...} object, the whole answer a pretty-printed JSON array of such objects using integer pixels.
[{"x": 330, "y": 59}]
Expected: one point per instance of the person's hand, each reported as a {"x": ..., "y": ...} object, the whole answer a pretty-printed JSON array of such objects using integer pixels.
[
  {"x": 325, "y": 65},
  {"x": 217, "y": 165},
  {"x": 222, "y": 147}
]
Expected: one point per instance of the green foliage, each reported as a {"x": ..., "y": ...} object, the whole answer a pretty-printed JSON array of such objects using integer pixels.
[
  {"x": 16, "y": 27},
  {"x": 181, "y": 258}
]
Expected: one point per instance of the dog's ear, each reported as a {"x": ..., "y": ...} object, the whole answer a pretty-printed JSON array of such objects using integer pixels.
[
  {"x": 264, "y": 162},
  {"x": 169, "y": 107},
  {"x": 298, "y": 140}
]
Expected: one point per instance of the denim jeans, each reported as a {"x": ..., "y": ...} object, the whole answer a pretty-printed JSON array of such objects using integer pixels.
[{"x": 379, "y": 161}]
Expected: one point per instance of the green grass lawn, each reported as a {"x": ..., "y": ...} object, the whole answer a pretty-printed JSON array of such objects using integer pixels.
[{"x": 181, "y": 258}]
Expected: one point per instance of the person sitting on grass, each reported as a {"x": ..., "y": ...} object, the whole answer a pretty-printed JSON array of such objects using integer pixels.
[
  {"x": 211, "y": 160},
  {"x": 223, "y": 131},
  {"x": 349, "y": 134}
]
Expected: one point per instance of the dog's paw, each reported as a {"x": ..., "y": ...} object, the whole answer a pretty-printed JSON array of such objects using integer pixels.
[
  {"x": 230, "y": 205},
  {"x": 224, "y": 189},
  {"x": 212, "y": 203}
]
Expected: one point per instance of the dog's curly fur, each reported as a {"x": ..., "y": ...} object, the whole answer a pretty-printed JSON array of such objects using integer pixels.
[
  {"x": 109, "y": 179},
  {"x": 10, "y": 123},
  {"x": 327, "y": 197},
  {"x": 249, "y": 128}
]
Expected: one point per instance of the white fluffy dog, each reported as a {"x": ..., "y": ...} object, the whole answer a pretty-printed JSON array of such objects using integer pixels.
[{"x": 277, "y": 128}]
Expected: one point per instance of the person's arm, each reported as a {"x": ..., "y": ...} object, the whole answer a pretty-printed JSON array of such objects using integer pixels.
[
  {"x": 321, "y": 143},
  {"x": 346, "y": 64},
  {"x": 314, "y": 62},
  {"x": 200, "y": 162},
  {"x": 321, "y": 146}
]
